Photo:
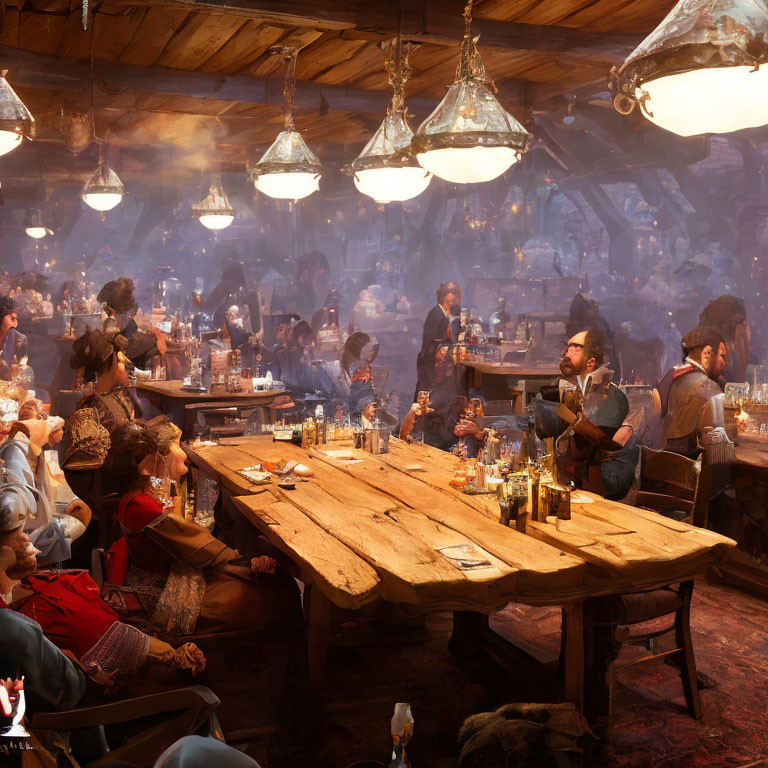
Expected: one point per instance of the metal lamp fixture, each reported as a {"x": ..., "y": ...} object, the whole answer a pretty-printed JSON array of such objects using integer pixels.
[
  {"x": 702, "y": 70},
  {"x": 215, "y": 212},
  {"x": 104, "y": 189},
  {"x": 16, "y": 120},
  {"x": 469, "y": 137},
  {"x": 386, "y": 169},
  {"x": 34, "y": 226},
  {"x": 288, "y": 170}
]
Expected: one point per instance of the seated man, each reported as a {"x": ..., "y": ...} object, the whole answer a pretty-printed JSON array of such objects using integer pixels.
[
  {"x": 691, "y": 403},
  {"x": 66, "y": 604},
  {"x": 442, "y": 417},
  {"x": 13, "y": 343},
  {"x": 51, "y": 681},
  {"x": 51, "y": 528},
  {"x": 595, "y": 445}
]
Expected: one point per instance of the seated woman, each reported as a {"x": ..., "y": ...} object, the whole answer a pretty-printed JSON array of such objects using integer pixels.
[
  {"x": 203, "y": 584},
  {"x": 189, "y": 580},
  {"x": 68, "y": 607},
  {"x": 102, "y": 359},
  {"x": 119, "y": 304}
]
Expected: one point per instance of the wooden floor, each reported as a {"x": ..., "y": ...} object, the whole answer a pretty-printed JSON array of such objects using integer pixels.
[{"x": 374, "y": 664}]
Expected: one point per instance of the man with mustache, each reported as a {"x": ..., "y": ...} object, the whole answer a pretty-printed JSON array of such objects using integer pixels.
[
  {"x": 596, "y": 446},
  {"x": 691, "y": 403}
]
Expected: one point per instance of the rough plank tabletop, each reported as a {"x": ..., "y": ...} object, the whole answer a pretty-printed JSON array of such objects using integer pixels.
[
  {"x": 402, "y": 530},
  {"x": 397, "y": 512}
]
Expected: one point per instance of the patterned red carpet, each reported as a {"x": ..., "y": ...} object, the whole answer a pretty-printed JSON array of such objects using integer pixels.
[
  {"x": 372, "y": 666},
  {"x": 652, "y": 727}
]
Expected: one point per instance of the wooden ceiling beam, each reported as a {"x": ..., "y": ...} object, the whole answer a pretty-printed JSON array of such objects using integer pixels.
[
  {"x": 38, "y": 70},
  {"x": 427, "y": 21}
]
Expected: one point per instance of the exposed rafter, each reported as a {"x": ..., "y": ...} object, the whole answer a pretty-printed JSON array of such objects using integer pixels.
[{"x": 433, "y": 21}]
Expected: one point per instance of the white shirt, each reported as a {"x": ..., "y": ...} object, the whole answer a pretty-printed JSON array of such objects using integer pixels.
[{"x": 692, "y": 362}]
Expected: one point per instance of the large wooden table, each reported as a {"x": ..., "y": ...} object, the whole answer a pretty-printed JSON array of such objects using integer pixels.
[
  {"x": 367, "y": 527},
  {"x": 751, "y": 452},
  {"x": 181, "y": 405}
]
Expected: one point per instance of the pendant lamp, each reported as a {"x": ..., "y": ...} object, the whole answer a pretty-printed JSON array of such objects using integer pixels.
[
  {"x": 34, "y": 226},
  {"x": 104, "y": 189},
  {"x": 16, "y": 120},
  {"x": 215, "y": 212},
  {"x": 704, "y": 69},
  {"x": 288, "y": 170},
  {"x": 469, "y": 137},
  {"x": 387, "y": 169}
]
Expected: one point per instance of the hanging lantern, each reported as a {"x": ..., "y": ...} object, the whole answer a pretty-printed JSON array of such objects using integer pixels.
[
  {"x": 288, "y": 170},
  {"x": 702, "y": 70},
  {"x": 104, "y": 189},
  {"x": 469, "y": 137},
  {"x": 16, "y": 120},
  {"x": 386, "y": 169},
  {"x": 34, "y": 226},
  {"x": 215, "y": 212}
]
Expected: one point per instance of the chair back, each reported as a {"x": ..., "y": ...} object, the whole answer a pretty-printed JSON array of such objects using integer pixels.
[{"x": 670, "y": 483}]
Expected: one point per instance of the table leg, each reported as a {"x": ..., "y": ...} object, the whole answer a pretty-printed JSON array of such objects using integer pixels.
[
  {"x": 574, "y": 654},
  {"x": 318, "y": 635}
]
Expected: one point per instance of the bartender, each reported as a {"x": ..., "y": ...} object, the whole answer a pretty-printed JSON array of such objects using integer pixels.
[
  {"x": 595, "y": 442},
  {"x": 13, "y": 343},
  {"x": 691, "y": 403},
  {"x": 437, "y": 331}
]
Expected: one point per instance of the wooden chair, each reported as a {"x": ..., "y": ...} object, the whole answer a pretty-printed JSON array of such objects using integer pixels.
[
  {"x": 669, "y": 483},
  {"x": 182, "y": 712},
  {"x": 607, "y": 622},
  {"x": 673, "y": 485}
]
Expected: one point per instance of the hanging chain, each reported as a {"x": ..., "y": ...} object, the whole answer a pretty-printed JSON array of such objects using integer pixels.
[
  {"x": 397, "y": 63},
  {"x": 85, "y": 15},
  {"x": 289, "y": 86},
  {"x": 470, "y": 64}
]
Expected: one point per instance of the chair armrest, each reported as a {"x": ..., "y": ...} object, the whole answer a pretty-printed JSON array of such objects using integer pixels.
[{"x": 190, "y": 697}]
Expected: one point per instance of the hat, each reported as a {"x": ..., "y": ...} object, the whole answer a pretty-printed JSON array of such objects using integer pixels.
[{"x": 702, "y": 336}]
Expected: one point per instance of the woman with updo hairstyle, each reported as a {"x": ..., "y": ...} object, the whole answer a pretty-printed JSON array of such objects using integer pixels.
[
  {"x": 187, "y": 580},
  {"x": 100, "y": 359},
  {"x": 119, "y": 303},
  {"x": 225, "y": 590}
]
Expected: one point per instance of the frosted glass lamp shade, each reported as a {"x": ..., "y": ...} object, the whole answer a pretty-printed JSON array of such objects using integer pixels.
[
  {"x": 704, "y": 69},
  {"x": 386, "y": 169},
  {"x": 288, "y": 170},
  {"x": 470, "y": 137},
  {"x": 104, "y": 189}
]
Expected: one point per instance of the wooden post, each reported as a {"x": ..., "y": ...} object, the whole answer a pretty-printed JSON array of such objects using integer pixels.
[
  {"x": 574, "y": 653},
  {"x": 318, "y": 614}
]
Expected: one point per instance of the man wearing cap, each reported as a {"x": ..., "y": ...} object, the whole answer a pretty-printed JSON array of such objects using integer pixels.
[
  {"x": 595, "y": 442},
  {"x": 691, "y": 403}
]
